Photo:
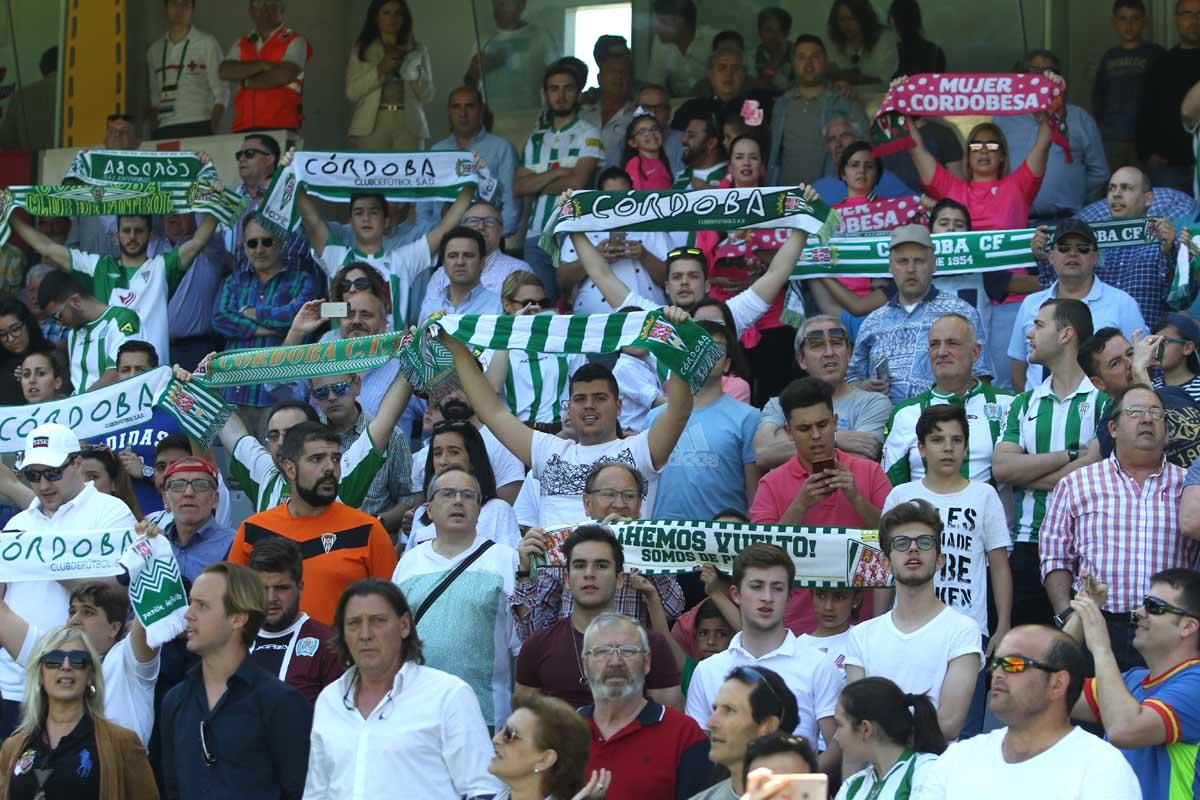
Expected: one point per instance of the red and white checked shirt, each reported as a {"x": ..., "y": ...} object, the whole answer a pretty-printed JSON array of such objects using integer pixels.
[{"x": 1098, "y": 521}]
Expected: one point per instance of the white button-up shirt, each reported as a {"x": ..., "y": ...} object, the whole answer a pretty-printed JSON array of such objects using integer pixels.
[
  {"x": 426, "y": 735},
  {"x": 43, "y": 604}
]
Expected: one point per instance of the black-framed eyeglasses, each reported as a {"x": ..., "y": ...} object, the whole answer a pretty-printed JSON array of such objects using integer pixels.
[
  {"x": 264, "y": 241},
  {"x": 647, "y": 131},
  {"x": 1156, "y": 607},
  {"x": 628, "y": 495},
  {"x": 339, "y": 389},
  {"x": 1018, "y": 664},
  {"x": 12, "y": 331},
  {"x": 52, "y": 474},
  {"x": 198, "y": 485},
  {"x": 76, "y": 659},
  {"x": 354, "y": 284},
  {"x": 250, "y": 152},
  {"x": 509, "y": 734},
  {"x": 482, "y": 222},
  {"x": 210, "y": 758},
  {"x": 924, "y": 542}
]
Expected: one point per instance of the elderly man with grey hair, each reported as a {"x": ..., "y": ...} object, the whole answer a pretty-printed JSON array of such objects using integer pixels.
[
  {"x": 466, "y": 622},
  {"x": 651, "y": 750},
  {"x": 823, "y": 352}
]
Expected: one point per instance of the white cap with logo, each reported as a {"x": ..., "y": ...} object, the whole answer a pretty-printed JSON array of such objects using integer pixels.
[{"x": 49, "y": 445}]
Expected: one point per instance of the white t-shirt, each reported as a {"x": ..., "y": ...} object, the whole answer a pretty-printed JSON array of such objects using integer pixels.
[
  {"x": 1079, "y": 766},
  {"x": 834, "y": 647},
  {"x": 917, "y": 661},
  {"x": 528, "y": 507},
  {"x": 589, "y": 299},
  {"x": 469, "y": 631},
  {"x": 640, "y": 388},
  {"x": 805, "y": 670},
  {"x": 975, "y": 524},
  {"x": 43, "y": 604},
  {"x": 128, "y": 684},
  {"x": 505, "y": 466},
  {"x": 497, "y": 522},
  {"x": 562, "y": 466}
]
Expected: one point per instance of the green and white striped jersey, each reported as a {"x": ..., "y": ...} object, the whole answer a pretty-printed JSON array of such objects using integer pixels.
[
  {"x": 536, "y": 386},
  {"x": 254, "y": 469},
  {"x": 712, "y": 176},
  {"x": 986, "y": 408},
  {"x": 548, "y": 149},
  {"x": 902, "y": 781},
  {"x": 93, "y": 348},
  {"x": 1042, "y": 423}
]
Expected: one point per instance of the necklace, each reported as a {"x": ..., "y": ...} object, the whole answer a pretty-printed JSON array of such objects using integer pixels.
[{"x": 578, "y": 657}]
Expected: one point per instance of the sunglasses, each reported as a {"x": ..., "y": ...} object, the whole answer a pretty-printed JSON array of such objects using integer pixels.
[
  {"x": 356, "y": 284},
  {"x": 1013, "y": 665},
  {"x": 250, "y": 152},
  {"x": 924, "y": 542},
  {"x": 756, "y": 678},
  {"x": 685, "y": 252},
  {"x": 978, "y": 147},
  {"x": 1156, "y": 607},
  {"x": 52, "y": 474},
  {"x": 339, "y": 389},
  {"x": 1081, "y": 249},
  {"x": 76, "y": 659},
  {"x": 254, "y": 244},
  {"x": 508, "y": 734},
  {"x": 210, "y": 758},
  {"x": 818, "y": 338}
]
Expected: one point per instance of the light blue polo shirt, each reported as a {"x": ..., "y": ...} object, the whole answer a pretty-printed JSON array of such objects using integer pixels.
[{"x": 1110, "y": 307}]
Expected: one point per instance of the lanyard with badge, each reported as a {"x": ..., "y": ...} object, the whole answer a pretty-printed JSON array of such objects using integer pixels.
[{"x": 167, "y": 102}]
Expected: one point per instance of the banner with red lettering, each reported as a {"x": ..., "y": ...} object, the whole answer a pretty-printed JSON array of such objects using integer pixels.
[
  {"x": 880, "y": 214},
  {"x": 957, "y": 94}
]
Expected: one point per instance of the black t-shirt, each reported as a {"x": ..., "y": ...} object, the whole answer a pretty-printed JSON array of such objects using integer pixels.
[{"x": 70, "y": 771}]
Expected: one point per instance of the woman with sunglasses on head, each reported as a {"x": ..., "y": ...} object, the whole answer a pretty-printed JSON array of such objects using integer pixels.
[
  {"x": 542, "y": 752},
  {"x": 20, "y": 335},
  {"x": 458, "y": 443},
  {"x": 100, "y": 466},
  {"x": 64, "y": 746},
  {"x": 895, "y": 733}
]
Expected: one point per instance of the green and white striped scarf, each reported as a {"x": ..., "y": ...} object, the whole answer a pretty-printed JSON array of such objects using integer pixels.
[
  {"x": 960, "y": 253},
  {"x": 400, "y": 177},
  {"x": 1184, "y": 283},
  {"x": 681, "y": 211},
  {"x": 824, "y": 557},
  {"x": 192, "y": 184}
]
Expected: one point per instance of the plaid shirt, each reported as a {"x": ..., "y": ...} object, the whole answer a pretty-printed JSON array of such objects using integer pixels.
[
  {"x": 275, "y": 304},
  {"x": 1098, "y": 521},
  {"x": 1141, "y": 270},
  {"x": 548, "y": 602}
]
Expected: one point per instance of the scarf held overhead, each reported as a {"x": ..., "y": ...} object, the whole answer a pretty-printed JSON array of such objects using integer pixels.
[
  {"x": 399, "y": 177},
  {"x": 880, "y": 214},
  {"x": 681, "y": 211},
  {"x": 959, "y": 94},
  {"x": 120, "y": 406},
  {"x": 824, "y": 557},
  {"x": 192, "y": 184}
]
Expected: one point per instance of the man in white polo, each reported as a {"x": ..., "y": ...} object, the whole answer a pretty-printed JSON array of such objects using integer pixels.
[{"x": 63, "y": 501}]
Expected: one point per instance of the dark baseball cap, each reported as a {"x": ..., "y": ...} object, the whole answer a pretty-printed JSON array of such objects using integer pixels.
[
  {"x": 610, "y": 46},
  {"x": 1073, "y": 226}
]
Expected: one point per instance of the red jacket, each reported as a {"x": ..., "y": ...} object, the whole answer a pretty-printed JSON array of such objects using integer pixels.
[{"x": 269, "y": 108}]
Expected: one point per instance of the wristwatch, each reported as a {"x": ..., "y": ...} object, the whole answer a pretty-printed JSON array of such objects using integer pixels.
[
  {"x": 1072, "y": 454},
  {"x": 1060, "y": 620}
]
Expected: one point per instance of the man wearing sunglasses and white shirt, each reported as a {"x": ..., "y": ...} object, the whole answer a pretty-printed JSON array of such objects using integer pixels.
[
  {"x": 1118, "y": 520},
  {"x": 1152, "y": 713},
  {"x": 64, "y": 501}
]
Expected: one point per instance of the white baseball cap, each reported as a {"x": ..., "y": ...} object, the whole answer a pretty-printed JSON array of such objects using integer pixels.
[{"x": 49, "y": 445}]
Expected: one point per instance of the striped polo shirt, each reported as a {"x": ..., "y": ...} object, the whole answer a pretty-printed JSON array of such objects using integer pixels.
[
  {"x": 1042, "y": 423},
  {"x": 548, "y": 149}
]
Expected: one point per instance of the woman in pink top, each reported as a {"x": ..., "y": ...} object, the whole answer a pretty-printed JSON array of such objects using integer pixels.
[
  {"x": 646, "y": 163},
  {"x": 851, "y": 299},
  {"x": 997, "y": 200},
  {"x": 739, "y": 258}
]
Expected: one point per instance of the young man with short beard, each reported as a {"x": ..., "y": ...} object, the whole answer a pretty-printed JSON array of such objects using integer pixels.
[
  {"x": 341, "y": 543},
  {"x": 290, "y": 644}
]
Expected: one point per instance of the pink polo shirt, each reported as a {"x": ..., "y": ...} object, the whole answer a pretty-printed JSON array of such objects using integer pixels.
[{"x": 779, "y": 487}]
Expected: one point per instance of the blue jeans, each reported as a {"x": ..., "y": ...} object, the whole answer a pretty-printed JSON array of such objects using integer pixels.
[
  {"x": 1004, "y": 317},
  {"x": 541, "y": 264}
]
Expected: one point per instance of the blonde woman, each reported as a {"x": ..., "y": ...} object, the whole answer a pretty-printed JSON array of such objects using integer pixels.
[
  {"x": 64, "y": 747},
  {"x": 389, "y": 79}
]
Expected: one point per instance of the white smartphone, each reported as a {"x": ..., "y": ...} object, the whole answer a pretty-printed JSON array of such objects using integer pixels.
[{"x": 334, "y": 310}]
